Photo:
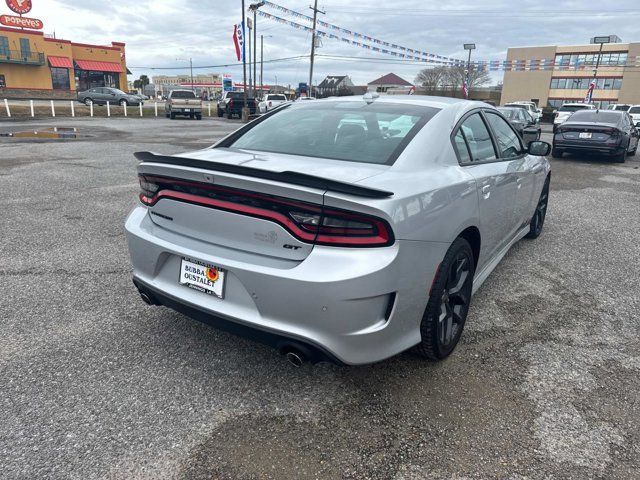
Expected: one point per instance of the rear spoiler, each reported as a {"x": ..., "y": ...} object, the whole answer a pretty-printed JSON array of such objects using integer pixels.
[{"x": 294, "y": 178}]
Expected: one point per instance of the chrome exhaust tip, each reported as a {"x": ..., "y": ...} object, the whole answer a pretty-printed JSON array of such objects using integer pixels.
[{"x": 295, "y": 359}]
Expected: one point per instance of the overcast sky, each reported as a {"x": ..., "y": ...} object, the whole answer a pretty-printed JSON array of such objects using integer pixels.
[{"x": 166, "y": 33}]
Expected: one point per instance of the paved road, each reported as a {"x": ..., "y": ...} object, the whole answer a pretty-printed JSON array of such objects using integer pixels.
[{"x": 93, "y": 384}]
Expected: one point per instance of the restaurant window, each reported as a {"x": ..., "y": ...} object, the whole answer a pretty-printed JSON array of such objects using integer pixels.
[
  {"x": 4, "y": 46},
  {"x": 60, "y": 78},
  {"x": 3, "y": 82},
  {"x": 25, "y": 48}
]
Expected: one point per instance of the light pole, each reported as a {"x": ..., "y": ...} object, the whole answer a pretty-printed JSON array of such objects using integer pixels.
[
  {"x": 313, "y": 44},
  {"x": 470, "y": 47},
  {"x": 254, "y": 8},
  {"x": 598, "y": 41},
  {"x": 190, "y": 68},
  {"x": 245, "y": 109},
  {"x": 262, "y": 37}
]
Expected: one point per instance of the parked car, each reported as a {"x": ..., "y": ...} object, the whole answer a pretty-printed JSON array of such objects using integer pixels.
[
  {"x": 565, "y": 111},
  {"x": 634, "y": 111},
  {"x": 530, "y": 107},
  {"x": 232, "y": 104},
  {"x": 619, "y": 106},
  {"x": 528, "y": 128},
  {"x": 102, "y": 95},
  {"x": 606, "y": 132},
  {"x": 334, "y": 240},
  {"x": 183, "y": 102},
  {"x": 271, "y": 101}
]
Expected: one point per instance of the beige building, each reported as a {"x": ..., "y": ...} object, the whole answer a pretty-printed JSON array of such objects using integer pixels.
[
  {"x": 618, "y": 78},
  {"x": 198, "y": 79}
]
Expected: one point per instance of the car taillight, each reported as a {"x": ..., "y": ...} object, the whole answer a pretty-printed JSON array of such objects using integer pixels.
[{"x": 308, "y": 222}]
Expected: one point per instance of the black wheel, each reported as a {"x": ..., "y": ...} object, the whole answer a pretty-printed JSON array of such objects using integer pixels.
[
  {"x": 172, "y": 116},
  {"x": 88, "y": 102},
  {"x": 229, "y": 115},
  {"x": 446, "y": 312},
  {"x": 537, "y": 221},
  {"x": 555, "y": 153},
  {"x": 621, "y": 157},
  {"x": 220, "y": 113},
  {"x": 198, "y": 117},
  {"x": 166, "y": 114}
]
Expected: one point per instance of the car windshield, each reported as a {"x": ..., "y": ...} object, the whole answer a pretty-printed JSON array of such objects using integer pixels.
[
  {"x": 277, "y": 97},
  {"x": 236, "y": 95},
  {"x": 572, "y": 108},
  {"x": 596, "y": 116},
  {"x": 350, "y": 131},
  {"x": 509, "y": 113},
  {"x": 622, "y": 108},
  {"x": 182, "y": 94},
  {"x": 634, "y": 110}
]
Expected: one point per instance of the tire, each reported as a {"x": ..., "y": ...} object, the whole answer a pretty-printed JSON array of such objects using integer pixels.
[
  {"x": 199, "y": 117},
  {"x": 88, "y": 102},
  {"x": 172, "y": 116},
  {"x": 446, "y": 313},
  {"x": 229, "y": 115},
  {"x": 555, "y": 153},
  {"x": 220, "y": 113},
  {"x": 166, "y": 114},
  {"x": 537, "y": 221},
  {"x": 620, "y": 158}
]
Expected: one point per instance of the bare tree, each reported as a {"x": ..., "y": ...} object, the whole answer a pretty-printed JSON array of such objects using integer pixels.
[
  {"x": 431, "y": 78},
  {"x": 456, "y": 75}
]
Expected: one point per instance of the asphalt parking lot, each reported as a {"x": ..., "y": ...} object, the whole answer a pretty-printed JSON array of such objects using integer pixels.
[{"x": 94, "y": 384}]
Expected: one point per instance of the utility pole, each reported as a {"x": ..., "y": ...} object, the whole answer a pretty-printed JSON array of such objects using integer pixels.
[
  {"x": 254, "y": 8},
  {"x": 250, "y": 69},
  {"x": 313, "y": 43},
  {"x": 470, "y": 47},
  {"x": 191, "y": 67},
  {"x": 245, "y": 109},
  {"x": 261, "y": 63}
]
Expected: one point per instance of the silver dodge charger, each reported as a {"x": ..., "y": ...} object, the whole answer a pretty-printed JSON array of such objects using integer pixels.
[{"x": 344, "y": 230}]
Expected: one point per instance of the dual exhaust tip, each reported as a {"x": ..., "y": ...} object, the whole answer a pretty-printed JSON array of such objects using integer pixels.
[{"x": 295, "y": 354}]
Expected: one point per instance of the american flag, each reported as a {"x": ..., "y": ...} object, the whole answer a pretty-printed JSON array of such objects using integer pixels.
[
  {"x": 592, "y": 87},
  {"x": 465, "y": 89}
]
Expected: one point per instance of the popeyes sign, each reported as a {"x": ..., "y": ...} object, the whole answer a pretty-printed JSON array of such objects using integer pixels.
[
  {"x": 20, "y": 6},
  {"x": 21, "y": 22}
]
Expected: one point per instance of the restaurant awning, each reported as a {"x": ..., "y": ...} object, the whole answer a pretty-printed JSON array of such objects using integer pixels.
[
  {"x": 59, "y": 62},
  {"x": 99, "y": 66}
]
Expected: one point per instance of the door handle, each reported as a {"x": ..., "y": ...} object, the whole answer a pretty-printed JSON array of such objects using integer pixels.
[
  {"x": 519, "y": 182},
  {"x": 486, "y": 191}
]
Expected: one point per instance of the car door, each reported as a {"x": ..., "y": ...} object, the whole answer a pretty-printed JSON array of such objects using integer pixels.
[
  {"x": 495, "y": 180},
  {"x": 512, "y": 151}
]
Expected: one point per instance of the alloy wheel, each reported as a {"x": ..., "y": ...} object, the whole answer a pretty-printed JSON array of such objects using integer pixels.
[
  {"x": 541, "y": 212},
  {"x": 455, "y": 300}
]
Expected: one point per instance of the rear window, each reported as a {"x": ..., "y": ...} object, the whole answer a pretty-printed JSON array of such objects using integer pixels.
[
  {"x": 634, "y": 110},
  {"x": 277, "y": 98},
  {"x": 181, "y": 94},
  {"x": 596, "y": 116},
  {"x": 622, "y": 108},
  {"x": 236, "y": 95},
  {"x": 349, "y": 131},
  {"x": 572, "y": 108},
  {"x": 509, "y": 113}
]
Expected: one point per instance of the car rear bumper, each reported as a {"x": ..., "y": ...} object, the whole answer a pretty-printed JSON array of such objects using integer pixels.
[
  {"x": 589, "y": 147},
  {"x": 351, "y": 306}
]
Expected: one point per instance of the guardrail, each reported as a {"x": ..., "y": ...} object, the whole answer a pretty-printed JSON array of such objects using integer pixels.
[{"x": 73, "y": 108}]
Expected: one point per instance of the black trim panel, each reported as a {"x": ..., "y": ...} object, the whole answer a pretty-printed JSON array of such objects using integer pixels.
[{"x": 285, "y": 177}]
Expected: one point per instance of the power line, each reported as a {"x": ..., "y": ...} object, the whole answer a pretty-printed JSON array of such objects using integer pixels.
[{"x": 238, "y": 64}]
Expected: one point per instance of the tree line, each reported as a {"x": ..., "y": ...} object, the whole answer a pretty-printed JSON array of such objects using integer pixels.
[{"x": 450, "y": 78}]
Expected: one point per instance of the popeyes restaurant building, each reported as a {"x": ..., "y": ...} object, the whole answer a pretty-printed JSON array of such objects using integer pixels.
[{"x": 33, "y": 65}]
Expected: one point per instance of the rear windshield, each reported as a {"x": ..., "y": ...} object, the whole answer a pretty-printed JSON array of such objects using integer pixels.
[
  {"x": 181, "y": 94},
  {"x": 572, "y": 108},
  {"x": 350, "y": 131},
  {"x": 509, "y": 113},
  {"x": 236, "y": 95},
  {"x": 622, "y": 108},
  {"x": 634, "y": 110},
  {"x": 596, "y": 116},
  {"x": 518, "y": 105},
  {"x": 277, "y": 97}
]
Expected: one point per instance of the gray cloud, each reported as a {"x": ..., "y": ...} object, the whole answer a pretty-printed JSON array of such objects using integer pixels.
[{"x": 158, "y": 32}]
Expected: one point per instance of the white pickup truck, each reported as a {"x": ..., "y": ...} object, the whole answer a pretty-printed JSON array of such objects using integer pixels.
[{"x": 271, "y": 101}]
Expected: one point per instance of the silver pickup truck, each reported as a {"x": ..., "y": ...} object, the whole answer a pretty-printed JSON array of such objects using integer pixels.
[{"x": 183, "y": 102}]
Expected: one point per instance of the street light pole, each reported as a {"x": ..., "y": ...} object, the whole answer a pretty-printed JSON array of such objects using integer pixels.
[
  {"x": 261, "y": 63},
  {"x": 470, "y": 47},
  {"x": 254, "y": 8},
  {"x": 191, "y": 67},
  {"x": 601, "y": 41}
]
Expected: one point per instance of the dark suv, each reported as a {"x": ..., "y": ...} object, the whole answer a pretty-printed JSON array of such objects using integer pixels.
[{"x": 102, "y": 95}]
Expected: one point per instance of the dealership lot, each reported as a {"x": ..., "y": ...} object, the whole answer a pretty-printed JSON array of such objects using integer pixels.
[{"x": 94, "y": 383}]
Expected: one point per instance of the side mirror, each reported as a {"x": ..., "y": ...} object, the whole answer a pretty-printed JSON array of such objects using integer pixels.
[{"x": 539, "y": 149}]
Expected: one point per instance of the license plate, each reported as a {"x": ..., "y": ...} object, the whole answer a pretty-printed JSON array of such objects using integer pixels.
[
  {"x": 187, "y": 109},
  {"x": 585, "y": 135},
  {"x": 203, "y": 277}
]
